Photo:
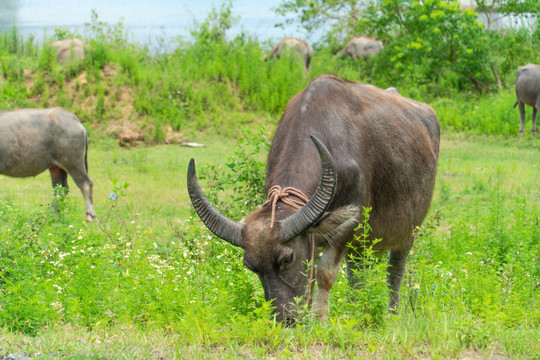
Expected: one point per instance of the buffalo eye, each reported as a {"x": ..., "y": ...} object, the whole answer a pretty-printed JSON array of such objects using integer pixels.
[{"x": 286, "y": 261}]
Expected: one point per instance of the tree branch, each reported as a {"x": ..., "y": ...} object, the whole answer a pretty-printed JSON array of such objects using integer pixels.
[{"x": 496, "y": 75}]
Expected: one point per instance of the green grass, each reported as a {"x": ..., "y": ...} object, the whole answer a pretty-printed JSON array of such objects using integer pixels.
[
  {"x": 158, "y": 286},
  {"x": 156, "y": 178}
]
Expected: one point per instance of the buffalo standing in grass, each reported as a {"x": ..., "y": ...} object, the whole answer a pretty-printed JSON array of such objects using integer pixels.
[
  {"x": 68, "y": 49},
  {"x": 300, "y": 47},
  {"x": 34, "y": 140},
  {"x": 360, "y": 46},
  {"x": 340, "y": 146},
  {"x": 528, "y": 93}
]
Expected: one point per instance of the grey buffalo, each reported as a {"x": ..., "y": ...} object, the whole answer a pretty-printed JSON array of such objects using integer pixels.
[
  {"x": 297, "y": 46},
  {"x": 360, "y": 46},
  {"x": 340, "y": 146},
  {"x": 528, "y": 93},
  {"x": 68, "y": 49},
  {"x": 34, "y": 140}
]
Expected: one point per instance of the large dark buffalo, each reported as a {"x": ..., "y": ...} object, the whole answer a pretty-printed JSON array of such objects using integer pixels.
[
  {"x": 528, "y": 93},
  {"x": 343, "y": 146},
  {"x": 34, "y": 140},
  {"x": 298, "y": 46}
]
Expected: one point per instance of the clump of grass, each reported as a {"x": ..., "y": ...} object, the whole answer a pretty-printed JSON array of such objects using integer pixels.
[{"x": 492, "y": 114}]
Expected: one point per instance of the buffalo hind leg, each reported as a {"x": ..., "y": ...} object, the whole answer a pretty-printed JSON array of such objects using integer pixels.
[
  {"x": 534, "y": 114},
  {"x": 396, "y": 271},
  {"x": 83, "y": 181},
  {"x": 59, "y": 184}
]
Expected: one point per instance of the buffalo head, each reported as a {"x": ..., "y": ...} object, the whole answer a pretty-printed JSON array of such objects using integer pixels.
[{"x": 277, "y": 251}]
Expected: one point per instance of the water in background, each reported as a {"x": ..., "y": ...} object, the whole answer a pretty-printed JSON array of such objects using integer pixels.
[{"x": 145, "y": 20}]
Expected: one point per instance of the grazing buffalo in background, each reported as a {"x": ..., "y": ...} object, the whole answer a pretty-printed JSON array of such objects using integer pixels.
[
  {"x": 299, "y": 46},
  {"x": 339, "y": 146},
  {"x": 68, "y": 49},
  {"x": 361, "y": 46},
  {"x": 34, "y": 140},
  {"x": 528, "y": 93}
]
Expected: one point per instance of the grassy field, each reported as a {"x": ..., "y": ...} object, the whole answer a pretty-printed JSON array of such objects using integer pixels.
[{"x": 148, "y": 281}]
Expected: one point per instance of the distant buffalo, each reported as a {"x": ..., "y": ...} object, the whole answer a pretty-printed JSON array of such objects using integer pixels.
[
  {"x": 68, "y": 49},
  {"x": 34, "y": 140},
  {"x": 299, "y": 46},
  {"x": 361, "y": 46},
  {"x": 528, "y": 92}
]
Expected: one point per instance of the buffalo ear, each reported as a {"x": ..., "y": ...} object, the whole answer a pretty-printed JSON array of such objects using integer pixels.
[{"x": 335, "y": 222}]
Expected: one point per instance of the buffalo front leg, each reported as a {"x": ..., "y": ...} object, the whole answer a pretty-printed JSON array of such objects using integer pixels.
[
  {"x": 396, "y": 271},
  {"x": 521, "y": 106},
  {"x": 327, "y": 272}
]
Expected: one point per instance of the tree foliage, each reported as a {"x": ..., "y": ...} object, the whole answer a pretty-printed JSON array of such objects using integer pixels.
[
  {"x": 342, "y": 17},
  {"x": 215, "y": 25},
  {"x": 494, "y": 10},
  {"x": 425, "y": 40},
  {"x": 429, "y": 38}
]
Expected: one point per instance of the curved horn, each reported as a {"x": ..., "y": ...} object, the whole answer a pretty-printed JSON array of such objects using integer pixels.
[
  {"x": 224, "y": 228},
  {"x": 310, "y": 213}
]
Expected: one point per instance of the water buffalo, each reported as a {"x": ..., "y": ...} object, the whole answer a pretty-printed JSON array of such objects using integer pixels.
[
  {"x": 361, "y": 46},
  {"x": 33, "y": 140},
  {"x": 68, "y": 49},
  {"x": 299, "y": 46},
  {"x": 339, "y": 146},
  {"x": 528, "y": 92}
]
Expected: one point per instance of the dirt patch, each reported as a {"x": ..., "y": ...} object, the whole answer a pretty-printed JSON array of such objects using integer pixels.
[
  {"x": 174, "y": 137},
  {"x": 128, "y": 134},
  {"x": 101, "y": 100}
]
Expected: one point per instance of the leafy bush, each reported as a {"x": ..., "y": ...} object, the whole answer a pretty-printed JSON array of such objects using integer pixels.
[
  {"x": 244, "y": 179},
  {"x": 369, "y": 299},
  {"x": 425, "y": 40}
]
